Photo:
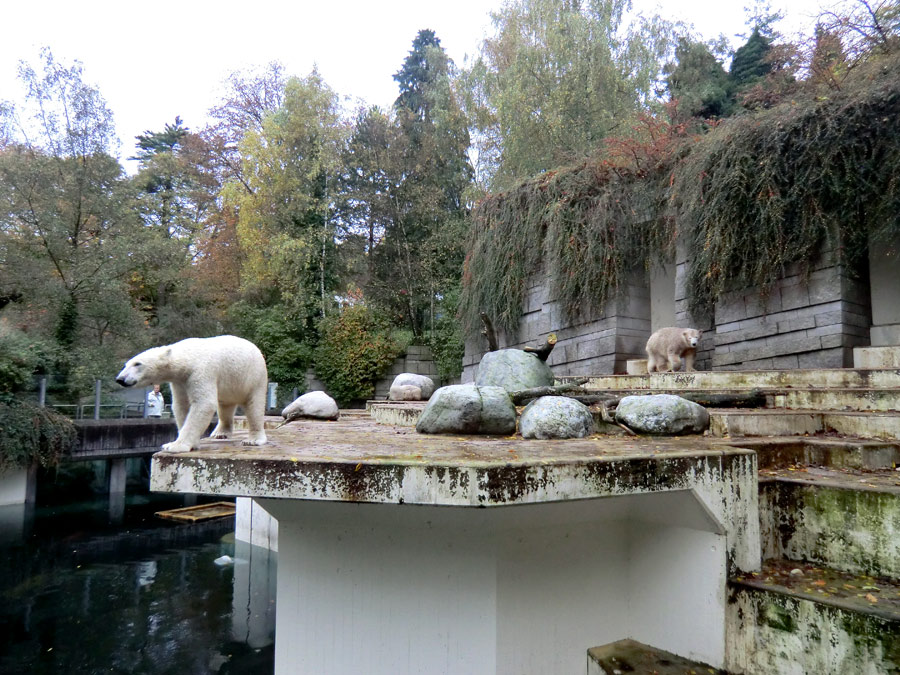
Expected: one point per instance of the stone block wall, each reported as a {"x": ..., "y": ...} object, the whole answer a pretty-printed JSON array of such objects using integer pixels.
[
  {"x": 591, "y": 345},
  {"x": 806, "y": 322}
]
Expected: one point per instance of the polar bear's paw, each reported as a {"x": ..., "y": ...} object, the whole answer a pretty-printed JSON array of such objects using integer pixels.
[
  {"x": 258, "y": 440},
  {"x": 176, "y": 446}
]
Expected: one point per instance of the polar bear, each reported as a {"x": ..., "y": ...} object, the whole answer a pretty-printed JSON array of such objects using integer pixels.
[
  {"x": 667, "y": 346},
  {"x": 205, "y": 374}
]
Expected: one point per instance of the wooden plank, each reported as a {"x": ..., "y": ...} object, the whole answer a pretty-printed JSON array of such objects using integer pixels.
[{"x": 193, "y": 514}]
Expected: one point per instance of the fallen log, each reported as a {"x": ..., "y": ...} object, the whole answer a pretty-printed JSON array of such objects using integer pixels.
[
  {"x": 544, "y": 350},
  {"x": 522, "y": 395},
  {"x": 750, "y": 399}
]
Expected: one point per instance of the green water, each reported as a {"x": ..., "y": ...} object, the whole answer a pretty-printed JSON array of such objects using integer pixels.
[{"x": 80, "y": 595}]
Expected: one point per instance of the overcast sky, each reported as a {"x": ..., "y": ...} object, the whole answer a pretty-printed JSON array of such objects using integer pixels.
[{"x": 153, "y": 61}]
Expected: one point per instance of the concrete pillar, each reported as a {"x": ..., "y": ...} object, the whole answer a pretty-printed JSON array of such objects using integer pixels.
[
  {"x": 118, "y": 476},
  {"x": 42, "y": 392},
  {"x": 97, "y": 386}
]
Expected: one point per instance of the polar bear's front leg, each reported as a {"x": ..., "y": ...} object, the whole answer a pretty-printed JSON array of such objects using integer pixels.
[{"x": 196, "y": 421}]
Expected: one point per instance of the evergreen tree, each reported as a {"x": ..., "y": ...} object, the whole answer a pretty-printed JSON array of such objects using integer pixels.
[
  {"x": 698, "y": 82},
  {"x": 749, "y": 64}
]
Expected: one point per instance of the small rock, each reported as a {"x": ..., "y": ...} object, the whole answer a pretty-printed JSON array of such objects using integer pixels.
[
  {"x": 796, "y": 572},
  {"x": 556, "y": 417},
  {"x": 662, "y": 414}
]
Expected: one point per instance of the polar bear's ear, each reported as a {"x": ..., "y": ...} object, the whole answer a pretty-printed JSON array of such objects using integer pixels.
[{"x": 168, "y": 353}]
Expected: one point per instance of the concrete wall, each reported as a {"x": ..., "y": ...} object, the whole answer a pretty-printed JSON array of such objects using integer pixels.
[
  {"x": 381, "y": 588},
  {"x": 811, "y": 319}
]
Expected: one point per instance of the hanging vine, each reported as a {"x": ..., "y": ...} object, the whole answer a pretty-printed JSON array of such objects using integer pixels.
[{"x": 754, "y": 194}]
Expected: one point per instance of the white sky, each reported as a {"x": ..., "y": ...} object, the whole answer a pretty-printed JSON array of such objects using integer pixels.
[{"x": 153, "y": 61}]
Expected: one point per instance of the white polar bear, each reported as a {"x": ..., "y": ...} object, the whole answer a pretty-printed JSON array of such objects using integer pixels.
[
  {"x": 667, "y": 346},
  {"x": 205, "y": 374}
]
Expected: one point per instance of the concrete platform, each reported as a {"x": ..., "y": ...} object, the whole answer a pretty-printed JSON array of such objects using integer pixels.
[
  {"x": 796, "y": 617},
  {"x": 404, "y": 553}
]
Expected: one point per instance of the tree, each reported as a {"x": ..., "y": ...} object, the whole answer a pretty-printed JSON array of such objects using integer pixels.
[
  {"x": 177, "y": 188},
  {"x": 556, "y": 79},
  {"x": 749, "y": 64},
  {"x": 283, "y": 201},
  {"x": 698, "y": 83},
  {"x": 69, "y": 238}
]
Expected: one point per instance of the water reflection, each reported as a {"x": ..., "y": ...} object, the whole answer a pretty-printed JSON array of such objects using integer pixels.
[{"x": 142, "y": 598}]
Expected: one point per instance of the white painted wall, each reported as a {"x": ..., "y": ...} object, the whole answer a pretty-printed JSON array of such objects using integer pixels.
[
  {"x": 13, "y": 486},
  {"x": 254, "y": 525},
  {"x": 387, "y": 588}
]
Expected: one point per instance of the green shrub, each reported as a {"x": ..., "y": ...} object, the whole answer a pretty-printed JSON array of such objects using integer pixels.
[
  {"x": 20, "y": 357},
  {"x": 355, "y": 348}
]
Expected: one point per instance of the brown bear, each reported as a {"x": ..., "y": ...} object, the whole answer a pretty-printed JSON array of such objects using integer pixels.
[{"x": 667, "y": 346}]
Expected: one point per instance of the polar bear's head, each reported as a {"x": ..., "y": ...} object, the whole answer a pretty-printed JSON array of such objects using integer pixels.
[
  {"x": 148, "y": 367},
  {"x": 692, "y": 336}
]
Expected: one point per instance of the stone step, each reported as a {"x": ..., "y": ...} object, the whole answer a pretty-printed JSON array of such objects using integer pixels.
[
  {"x": 849, "y": 398},
  {"x": 400, "y": 414},
  {"x": 781, "y": 452},
  {"x": 847, "y": 520},
  {"x": 629, "y": 656},
  {"x": 775, "y": 422},
  {"x": 876, "y": 357},
  {"x": 740, "y": 380},
  {"x": 816, "y": 621}
]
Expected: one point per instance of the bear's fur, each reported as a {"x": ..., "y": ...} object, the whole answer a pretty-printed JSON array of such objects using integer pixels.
[
  {"x": 667, "y": 346},
  {"x": 206, "y": 374}
]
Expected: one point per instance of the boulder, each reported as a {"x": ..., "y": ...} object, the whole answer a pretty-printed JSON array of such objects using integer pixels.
[
  {"x": 556, "y": 417},
  {"x": 425, "y": 384},
  {"x": 467, "y": 409},
  {"x": 315, "y": 404},
  {"x": 513, "y": 370},
  {"x": 405, "y": 392},
  {"x": 662, "y": 414}
]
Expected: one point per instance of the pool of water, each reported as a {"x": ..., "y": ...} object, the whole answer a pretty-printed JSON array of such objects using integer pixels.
[{"x": 82, "y": 595}]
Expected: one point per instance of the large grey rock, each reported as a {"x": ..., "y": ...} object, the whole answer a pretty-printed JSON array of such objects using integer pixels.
[
  {"x": 662, "y": 414},
  {"x": 405, "y": 392},
  {"x": 426, "y": 384},
  {"x": 467, "y": 409},
  {"x": 513, "y": 370},
  {"x": 556, "y": 417},
  {"x": 315, "y": 404}
]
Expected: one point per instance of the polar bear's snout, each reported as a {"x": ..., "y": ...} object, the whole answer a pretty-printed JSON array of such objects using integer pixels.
[{"x": 127, "y": 378}]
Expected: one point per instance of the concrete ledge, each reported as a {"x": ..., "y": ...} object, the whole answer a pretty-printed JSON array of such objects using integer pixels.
[
  {"x": 629, "y": 656},
  {"x": 775, "y": 625}
]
